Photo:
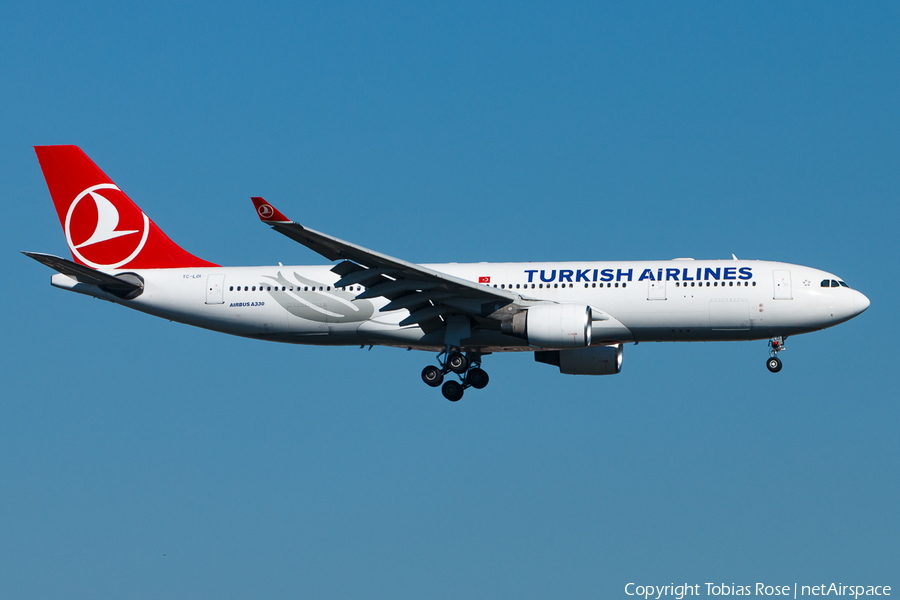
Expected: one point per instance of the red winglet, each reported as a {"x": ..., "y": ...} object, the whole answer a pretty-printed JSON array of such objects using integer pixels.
[{"x": 268, "y": 213}]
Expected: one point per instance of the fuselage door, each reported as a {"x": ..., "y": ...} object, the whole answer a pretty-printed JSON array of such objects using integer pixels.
[
  {"x": 656, "y": 290},
  {"x": 215, "y": 288},
  {"x": 782, "y": 285}
]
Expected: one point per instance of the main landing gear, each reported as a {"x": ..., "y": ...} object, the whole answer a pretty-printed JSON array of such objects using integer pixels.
[
  {"x": 466, "y": 366},
  {"x": 776, "y": 345}
]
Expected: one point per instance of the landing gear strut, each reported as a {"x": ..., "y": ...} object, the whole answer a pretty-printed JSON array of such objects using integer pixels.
[
  {"x": 776, "y": 345},
  {"x": 466, "y": 366}
]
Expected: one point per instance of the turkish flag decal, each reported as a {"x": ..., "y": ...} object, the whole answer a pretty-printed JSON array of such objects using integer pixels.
[{"x": 484, "y": 280}]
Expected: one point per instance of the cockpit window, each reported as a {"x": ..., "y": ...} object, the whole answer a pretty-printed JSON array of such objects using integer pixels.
[{"x": 834, "y": 283}]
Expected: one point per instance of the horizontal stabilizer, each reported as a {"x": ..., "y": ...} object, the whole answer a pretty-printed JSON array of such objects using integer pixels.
[{"x": 119, "y": 286}]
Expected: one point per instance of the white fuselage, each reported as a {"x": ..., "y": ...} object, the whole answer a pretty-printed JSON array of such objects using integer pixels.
[{"x": 678, "y": 300}]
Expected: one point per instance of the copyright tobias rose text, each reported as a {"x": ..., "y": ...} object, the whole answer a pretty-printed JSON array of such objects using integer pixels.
[{"x": 678, "y": 592}]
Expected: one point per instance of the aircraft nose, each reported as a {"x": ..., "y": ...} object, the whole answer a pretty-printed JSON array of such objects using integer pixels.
[{"x": 861, "y": 303}]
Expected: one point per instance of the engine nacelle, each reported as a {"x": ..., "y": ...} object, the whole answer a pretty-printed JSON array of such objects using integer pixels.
[
  {"x": 551, "y": 325},
  {"x": 600, "y": 360}
]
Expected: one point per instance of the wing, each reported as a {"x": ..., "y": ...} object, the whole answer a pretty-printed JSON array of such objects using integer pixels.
[{"x": 430, "y": 296}]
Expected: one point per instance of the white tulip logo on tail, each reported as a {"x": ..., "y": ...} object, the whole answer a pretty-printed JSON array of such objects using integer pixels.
[
  {"x": 265, "y": 211},
  {"x": 91, "y": 250}
]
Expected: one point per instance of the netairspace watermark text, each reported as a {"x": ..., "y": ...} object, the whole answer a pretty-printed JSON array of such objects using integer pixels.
[{"x": 685, "y": 590}]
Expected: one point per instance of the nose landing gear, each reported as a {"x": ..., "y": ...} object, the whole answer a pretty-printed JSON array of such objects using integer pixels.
[
  {"x": 776, "y": 345},
  {"x": 466, "y": 366}
]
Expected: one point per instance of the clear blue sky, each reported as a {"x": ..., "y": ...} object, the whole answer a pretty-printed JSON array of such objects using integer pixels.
[{"x": 145, "y": 459}]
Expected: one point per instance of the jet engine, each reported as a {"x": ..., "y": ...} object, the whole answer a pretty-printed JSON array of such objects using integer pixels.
[
  {"x": 551, "y": 325},
  {"x": 599, "y": 360}
]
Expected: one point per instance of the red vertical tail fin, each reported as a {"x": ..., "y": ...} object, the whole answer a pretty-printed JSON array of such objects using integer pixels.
[{"x": 103, "y": 227}]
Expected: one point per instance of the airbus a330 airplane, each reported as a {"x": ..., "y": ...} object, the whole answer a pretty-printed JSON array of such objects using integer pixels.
[{"x": 574, "y": 315}]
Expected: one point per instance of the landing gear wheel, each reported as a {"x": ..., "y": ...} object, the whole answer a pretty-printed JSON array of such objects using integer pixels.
[
  {"x": 458, "y": 362},
  {"x": 774, "y": 364},
  {"x": 432, "y": 376},
  {"x": 452, "y": 391},
  {"x": 477, "y": 378}
]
